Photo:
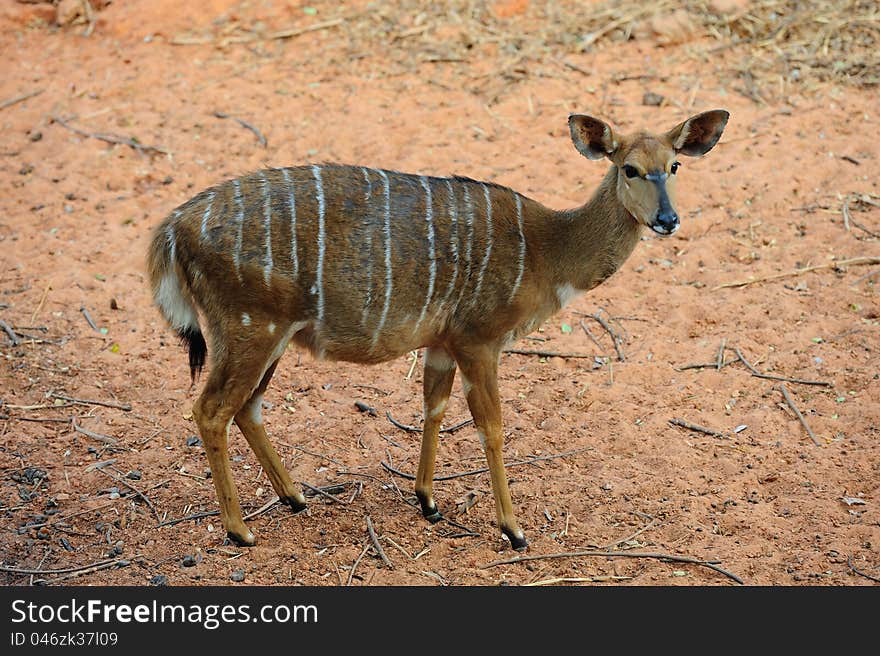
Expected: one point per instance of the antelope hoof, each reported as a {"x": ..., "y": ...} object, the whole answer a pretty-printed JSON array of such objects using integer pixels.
[
  {"x": 517, "y": 539},
  {"x": 432, "y": 515},
  {"x": 296, "y": 503},
  {"x": 242, "y": 538},
  {"x": 429, "y": 509}
]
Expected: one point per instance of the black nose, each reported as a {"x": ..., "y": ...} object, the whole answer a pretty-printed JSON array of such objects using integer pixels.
[{"x": 666, "y": 223}]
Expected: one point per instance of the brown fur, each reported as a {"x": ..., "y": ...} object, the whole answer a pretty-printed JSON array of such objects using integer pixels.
[{"x": 468, "y": 275}]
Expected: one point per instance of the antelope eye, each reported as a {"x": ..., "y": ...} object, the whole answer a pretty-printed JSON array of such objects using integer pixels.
[
  {"x": 630, "y": 171},
  {"x": 674, "y": 167}
]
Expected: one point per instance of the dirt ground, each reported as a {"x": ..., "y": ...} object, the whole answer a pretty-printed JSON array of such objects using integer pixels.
[{"x": 439, "y": 88}]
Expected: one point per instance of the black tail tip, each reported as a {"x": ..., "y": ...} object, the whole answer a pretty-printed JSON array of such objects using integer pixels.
[{"x": 194, "y": 341}]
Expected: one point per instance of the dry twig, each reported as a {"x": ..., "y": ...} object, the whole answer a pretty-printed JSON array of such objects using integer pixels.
[
  {"x": 695, "y": 427},
  {"x": 854, "y": 261},
  {"x": 375, "y": 539},
  {"x": 548, "y": 354},
  {"x": 260, "y": 138},
  {"x": 416, "y": 429},
  {"x": 9, "y": 331},
  {"x": 790, "y": 402},
  {"x": 106, "y": 404},
  {"x": 474, "y": 472},
  {"x": 64, "y": 570},
  {"x": 105, "y": 439},
  {"x": 615, "y": 554},
  {"x": 860, "y": 573},
  {"x": 110, "y": 138},
  {"x": 785, "y": 379},
  {"x": 17, "y": 99}
]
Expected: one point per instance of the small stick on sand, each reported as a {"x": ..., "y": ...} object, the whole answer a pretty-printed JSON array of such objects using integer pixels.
[
  {"x": 615, "y": 554},
  {"x": 110, "y": 138},
  {"x": 106, "y": 404},
  {"x": 719, "y": 361},
  {"x": 790, "y": 402},
  {"x": 785, "y": 379},
  {"x": 17, "y": 99},
  {"x": 88, "y": 317},
  {"x": 378, "y": 547},
  {"x": 855, "y": 261},
  {"x": 9, "y": 331},
  {"x": 246, "y": 125},
  {"x": 548, "y": 354},
  {"x": 695, "y": 427}
]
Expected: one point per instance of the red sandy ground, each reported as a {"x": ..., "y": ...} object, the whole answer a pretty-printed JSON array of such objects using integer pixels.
[{"x": 77, "y": 214}]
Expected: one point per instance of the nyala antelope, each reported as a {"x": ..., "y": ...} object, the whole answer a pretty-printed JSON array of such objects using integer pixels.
[{"x": 366, "y": 265}]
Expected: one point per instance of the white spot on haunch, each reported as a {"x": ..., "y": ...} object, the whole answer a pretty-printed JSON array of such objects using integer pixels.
[
  {"x": 245, "y": 319},
  {"x": 271, "y": 328},
  {"x": 175, "y": 307},
  {"x": 565, "y": 293},
  {"x": 256, "y": 410},
  {"x": 438, "y": 359},
  {"x": 292, "y": 330},
  {"x": 438, "y": 409}
]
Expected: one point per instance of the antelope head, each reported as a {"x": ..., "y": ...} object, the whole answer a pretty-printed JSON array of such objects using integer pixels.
[{"x": 647, "y": 163}]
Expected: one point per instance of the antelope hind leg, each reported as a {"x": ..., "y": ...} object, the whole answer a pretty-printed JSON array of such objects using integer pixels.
[
  {"x": 250, "y": 421},
  {"x": 236, "y": 373}
]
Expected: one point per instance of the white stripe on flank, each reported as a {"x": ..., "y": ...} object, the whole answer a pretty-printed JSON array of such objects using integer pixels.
[
  {"x": 369, "y": 193},
  {"x": 469, "y": 218},
  {"x": 206, "y": 216},
  {"x": 389, "y": 279},
  {"x": 432, "y": 273},
  {"x": 267, "y": 228},
  {"x": 368, "y": 247},
  {"x": 453, "y": 243},
  {"x": 294, "y": 259},
  {"x": 170, "y": 239},
  {"x": 239, "y": 218},
  {"x": 485, "y": 263},
  {"x": 522, "y": 248},
  {"x": 319, "y": 271}
]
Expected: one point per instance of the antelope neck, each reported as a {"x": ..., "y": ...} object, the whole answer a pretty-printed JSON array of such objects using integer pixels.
[{"x": 589, "y": 243}]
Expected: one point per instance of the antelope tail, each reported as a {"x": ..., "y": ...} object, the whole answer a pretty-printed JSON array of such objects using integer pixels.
[{"x": 171, "y": 293}]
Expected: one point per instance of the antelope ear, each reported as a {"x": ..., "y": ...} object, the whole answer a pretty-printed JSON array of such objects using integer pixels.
[
  {"x": 697, "y": 135},
  {"x": 592, "y": 137}
]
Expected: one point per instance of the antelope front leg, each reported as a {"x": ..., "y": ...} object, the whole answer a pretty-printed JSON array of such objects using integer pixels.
[
  {"x": 439, "y": 374},
  {"x": 479, "y": 372}
]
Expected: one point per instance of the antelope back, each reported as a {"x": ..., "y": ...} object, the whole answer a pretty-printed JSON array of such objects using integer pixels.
[{"x": 371, "y": 263}]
